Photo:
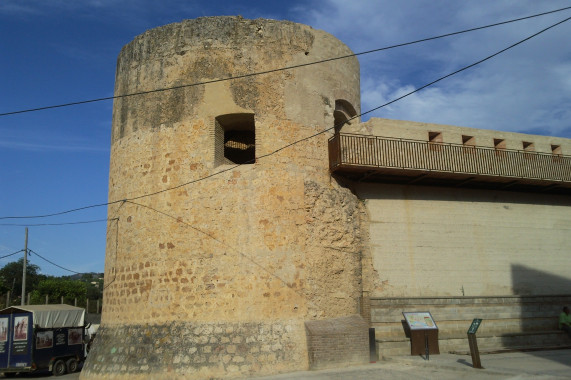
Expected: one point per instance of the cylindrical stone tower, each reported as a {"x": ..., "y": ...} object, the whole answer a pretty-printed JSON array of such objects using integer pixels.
[{"x": 212, "y": 268}]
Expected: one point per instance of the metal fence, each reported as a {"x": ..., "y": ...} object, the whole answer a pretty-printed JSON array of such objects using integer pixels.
[{"x": 372, "y": 151}]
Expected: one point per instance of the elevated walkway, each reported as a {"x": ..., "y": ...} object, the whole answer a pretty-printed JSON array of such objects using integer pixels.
[{"x": 403, "y": 161}]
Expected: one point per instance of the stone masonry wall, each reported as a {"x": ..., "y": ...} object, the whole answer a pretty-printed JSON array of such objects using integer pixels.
[
  {"x": 337, "y": 341},
  {"x": 235, "y": 253},
  {"x": 191, "y": 350}
]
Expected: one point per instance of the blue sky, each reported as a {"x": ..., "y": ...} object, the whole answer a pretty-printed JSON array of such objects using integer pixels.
[{"x": 61, "y": 51}]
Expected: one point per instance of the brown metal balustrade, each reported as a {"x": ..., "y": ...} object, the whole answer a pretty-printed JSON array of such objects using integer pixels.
[{"x": 381, "y": 159}]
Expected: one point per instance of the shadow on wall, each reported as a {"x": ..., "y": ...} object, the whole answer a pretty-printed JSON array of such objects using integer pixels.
[
  {"x": 368, "y": 190},
  {"x": 543, "y": 297}
]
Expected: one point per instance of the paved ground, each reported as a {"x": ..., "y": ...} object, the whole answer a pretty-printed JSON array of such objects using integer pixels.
[
  {"x": 44, "y": 375},
  {"x": 517, "y": 365}
]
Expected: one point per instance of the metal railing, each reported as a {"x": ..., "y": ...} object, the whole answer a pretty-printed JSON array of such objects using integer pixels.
[{"x": 347, "y": 150}]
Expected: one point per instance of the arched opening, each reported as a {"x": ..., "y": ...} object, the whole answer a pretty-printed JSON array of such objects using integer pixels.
[
  {"x": 344, "y": 111},
  {"x": 235, "y": 139}
]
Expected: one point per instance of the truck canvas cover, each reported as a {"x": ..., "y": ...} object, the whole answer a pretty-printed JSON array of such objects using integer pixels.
[{"x": 51, "y": 316}]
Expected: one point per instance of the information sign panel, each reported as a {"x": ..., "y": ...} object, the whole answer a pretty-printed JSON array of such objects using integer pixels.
[
  {"x": 420, "y": 320},
  {"x": 474, "y": 326}
]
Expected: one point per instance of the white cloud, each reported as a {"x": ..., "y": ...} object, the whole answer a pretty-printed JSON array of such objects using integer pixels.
[
  {"x": 39, "y": 147},
  {"x": 37, "y": 6},
  {"x": 524, "y": 89},
  {"x": 39, "y": 142}
]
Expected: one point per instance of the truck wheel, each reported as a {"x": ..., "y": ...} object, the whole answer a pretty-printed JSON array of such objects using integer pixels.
[
  {"x": 71, "y": 365},
  {"x": 59, "y": 368}
]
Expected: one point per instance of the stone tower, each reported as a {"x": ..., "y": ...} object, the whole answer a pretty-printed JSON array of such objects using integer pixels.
[{"x": 213, "y": 269}]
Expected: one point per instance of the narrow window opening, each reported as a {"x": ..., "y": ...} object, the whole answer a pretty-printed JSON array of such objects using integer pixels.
[
  {"x": 340, "y": 119},
  {"x": 469, "y": 144},
  {"x": 556, "y": 149},
  {"x": 434, "y": 141},
  {"x": 557, "y": 152},
  {"x": 468, "y": 140},
  {"x": 499, "y": 144},
  {"x": 240, "y": 146},
  {"x": 435, "y": 137},
  {"x": 528, "y": 146},
  {"x": 235, "y": 139}
]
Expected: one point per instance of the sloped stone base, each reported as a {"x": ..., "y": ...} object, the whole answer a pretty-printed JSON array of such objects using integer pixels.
[{"x": 196, "y": 350}]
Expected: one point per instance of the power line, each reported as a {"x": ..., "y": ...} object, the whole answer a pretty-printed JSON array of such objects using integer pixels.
[
  {"x": 278, "y": 69},
  {"x": 469, "y": 66},
  {"x": 56, "y": 224},
  {"x": 249, "y": 258},
  {"x": 300, "y": 140},
  {"x": 51, "y": 262},
  {"x": 116, "y": 219},
  {"x": 418, "y": 89},
  {"x": 59, "y": 213},
  {"x": 179, "y": 220},
  {"x": 12, "y": 254}
]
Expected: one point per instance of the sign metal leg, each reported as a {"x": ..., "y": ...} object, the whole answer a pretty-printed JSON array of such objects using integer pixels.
[{"x": 474, "y": 351}]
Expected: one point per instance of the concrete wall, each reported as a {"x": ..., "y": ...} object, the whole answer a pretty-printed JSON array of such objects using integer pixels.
[
  {"x": 465, "y": 253},
  {"x": 451, "y": 134},
  {"x": 429, "y": 241},
  {"x": 507, "y": 322}
]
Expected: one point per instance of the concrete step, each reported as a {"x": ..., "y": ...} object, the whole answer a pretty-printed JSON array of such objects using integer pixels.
[
  {"x": 401, "y": 346},
  {"x": 515, "y": 349},
  {"x": 488, "y": 327},
  {"x": 548, "y": 301},
  {"x": 384, "y": 315}
]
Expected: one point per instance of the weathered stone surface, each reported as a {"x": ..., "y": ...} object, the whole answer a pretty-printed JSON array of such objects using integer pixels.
[
  {"x": 337, "y": 341},
  {"x": 214, "y": 48},
  {"x": 224, "y": 260},
  {"x": 212, "y": 269},
  {"x": 184, "y": 349}
]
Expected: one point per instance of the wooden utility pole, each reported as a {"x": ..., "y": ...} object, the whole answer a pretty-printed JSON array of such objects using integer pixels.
[{"x": 24, "y": 271}]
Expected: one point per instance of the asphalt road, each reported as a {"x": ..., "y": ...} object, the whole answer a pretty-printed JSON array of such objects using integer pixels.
[
  {"x": 47, "y": 375},
  {"x": 543, "y": 365}
]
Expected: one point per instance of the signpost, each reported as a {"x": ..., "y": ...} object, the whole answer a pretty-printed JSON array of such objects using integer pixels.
[
  {"x": 473, "y": 343},
  {"x": 423, "y": 333}
]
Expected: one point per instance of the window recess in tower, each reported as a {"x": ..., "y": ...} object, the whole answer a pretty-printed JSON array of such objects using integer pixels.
[
  {"x": 235, "y": 139},
  {"x": 343, "y": 112}
]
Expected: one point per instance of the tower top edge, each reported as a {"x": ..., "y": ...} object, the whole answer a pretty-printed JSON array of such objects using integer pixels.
[{"x": 230, "y": 30}]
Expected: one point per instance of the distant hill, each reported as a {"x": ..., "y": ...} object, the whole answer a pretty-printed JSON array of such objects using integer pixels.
[{"x": 82, "y": 275}]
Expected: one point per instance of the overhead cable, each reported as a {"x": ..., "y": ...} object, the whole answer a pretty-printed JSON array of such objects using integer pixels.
[
  {"x": 51, "y": 262},
  {"x": 300, "y": 140},
  {"x": 56, "y": 224},
  {"x": 12, "y": 254},
  {"x": 247, "y": 257},
  {"x": 278, "y": 69}
]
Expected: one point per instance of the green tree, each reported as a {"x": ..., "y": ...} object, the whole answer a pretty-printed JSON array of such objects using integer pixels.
[
  {"x": 57, "y": 287},
  {"x": 93, "y": 292},
  {"x": 11, "y": 278},
  {"x": 94, "y": 284}
]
